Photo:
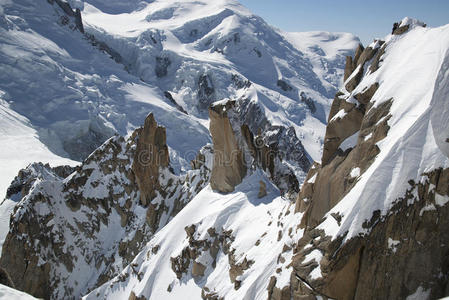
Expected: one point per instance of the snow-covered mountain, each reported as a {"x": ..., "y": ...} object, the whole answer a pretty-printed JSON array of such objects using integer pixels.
[
  {"x": 174, "y": 57},
  {"x": 76, "y": 73},
  {"x": 204, "y": 121},
  {"x": 370, "y": 220}
]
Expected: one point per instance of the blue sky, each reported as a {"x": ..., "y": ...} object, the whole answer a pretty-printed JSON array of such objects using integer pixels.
[{"x": 366, "y": 19}]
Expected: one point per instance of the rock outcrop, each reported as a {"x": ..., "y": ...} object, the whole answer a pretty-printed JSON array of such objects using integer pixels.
[
  {"x": 244, "y": 140},
  {"x": 399, "y": 256},
  {"x": 123, "y": 191},
  {"x": 69, "y": 11},
  {"x": 398, "y": 253},
  {"x": 151, "y": 155},
  {"x": 229, "y": 164}
]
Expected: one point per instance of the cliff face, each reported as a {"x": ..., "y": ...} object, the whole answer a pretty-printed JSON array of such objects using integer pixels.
[
  {"x": 229, "y": 164},
  {"x": 375, "y": 208},
  {"x": 96, "y": 219},
  {"x": 151, "y": 155},
  {"x": 244, "y": 140}
]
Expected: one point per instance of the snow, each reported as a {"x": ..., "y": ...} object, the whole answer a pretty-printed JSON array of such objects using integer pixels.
[
  {"x": 218, "y": 39},
  {"x": 339, "y": 115},
  {"x": 236, "y": 211},
  {"x": 86, "y": 90},
  {"x": 349, "y": 142},
  {"x": 420, "y": 294},
  {"x": 20, "y": 147},
  {"x": 392, "y": 244},
  {"x": 78, "y": 89},
  {"x": 6, "y": 208},
  {"x": 12, "y": 294},
  {"x": 410, "y": 149},
  {"x": 312, "y": 179},
  {"x": 315, "y": 255},
  {"x": 355, "y": 172},
  {"x": 441, "y": 200},
  {"x": 367, "y": 137},
  {"x": 326, "y": 50},
  {"x": 411, "y": 22},
  {"x": 429, "y": 207}
]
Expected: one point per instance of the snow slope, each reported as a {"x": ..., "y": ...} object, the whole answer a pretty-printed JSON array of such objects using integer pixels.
[
  {"x": 20, "y": 146},
  {"x": 79, "y": 97},
  {"x": 414, "y": 73},
  {"x": 74, "y": 95},
  {"x": 12, "y": 294},
  {"x": 260, "y": 231},
  {"x": 223, "y": 41}
]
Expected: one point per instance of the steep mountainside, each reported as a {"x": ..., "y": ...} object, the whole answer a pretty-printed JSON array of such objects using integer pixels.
[
  {"x": 95, "y": 218},
  {"x": 370, "y": 221},
  {"x": 379, "y": 221},
  {"x": 216, "y": 196},
  {"x": 76, "y": 73}
]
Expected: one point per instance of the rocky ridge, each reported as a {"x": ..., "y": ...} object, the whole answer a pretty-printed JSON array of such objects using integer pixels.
[
  {"x": 244, "y": 140},
  {"x": 127, "y": 191},
  {"x": 97, "y": 218},
  {"x": 400, "y": 251}
]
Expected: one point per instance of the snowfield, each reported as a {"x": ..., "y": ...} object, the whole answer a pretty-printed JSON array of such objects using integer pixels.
[
  {"x": 12, "y": 294},
  {"x": 260, "y": 229},
  {"x": 80, "y": 96},
  {"x": 61, "y": 97}
]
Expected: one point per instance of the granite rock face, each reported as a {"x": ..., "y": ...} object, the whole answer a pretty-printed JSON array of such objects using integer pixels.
[
  {"x": 400, "y": 252},
  {"x": 229, "y": 165},
  {"x": 151, "y": 155},
  {"x": 244, "y": 140}
]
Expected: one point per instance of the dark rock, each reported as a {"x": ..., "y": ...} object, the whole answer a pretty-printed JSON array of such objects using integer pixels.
[
  {"x": 229, "y": 164},
  {"x": 79, "y": 21},
  {"x": 355, "y": 80},
  {"x": 377, "y": 59},
  {"x": 206, "y": 91},
  {"x": 132, "y": 296},
  {"x": 284, "y": 85},
  {"x": 348, "y": 68},
  {"x": 309, "y": 102},
  {"x": 5, "y": 279},
  {"x": 399, "y": 30},
  {"x": 366, "y": 55},
  {"x": 65, "y": 7},
  {"x": 173, "y": 101},
  {"x": 162, "y": 64},
  {"x": 262, "y": 189},
  {"x": 365, "y": 96},
  {"x": 239, "y": 82}
]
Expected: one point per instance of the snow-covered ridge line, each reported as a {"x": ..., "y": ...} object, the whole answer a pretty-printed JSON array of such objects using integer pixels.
[
  {"x": 95, "y": 220},
  {"x": 379, "y": 195}
]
